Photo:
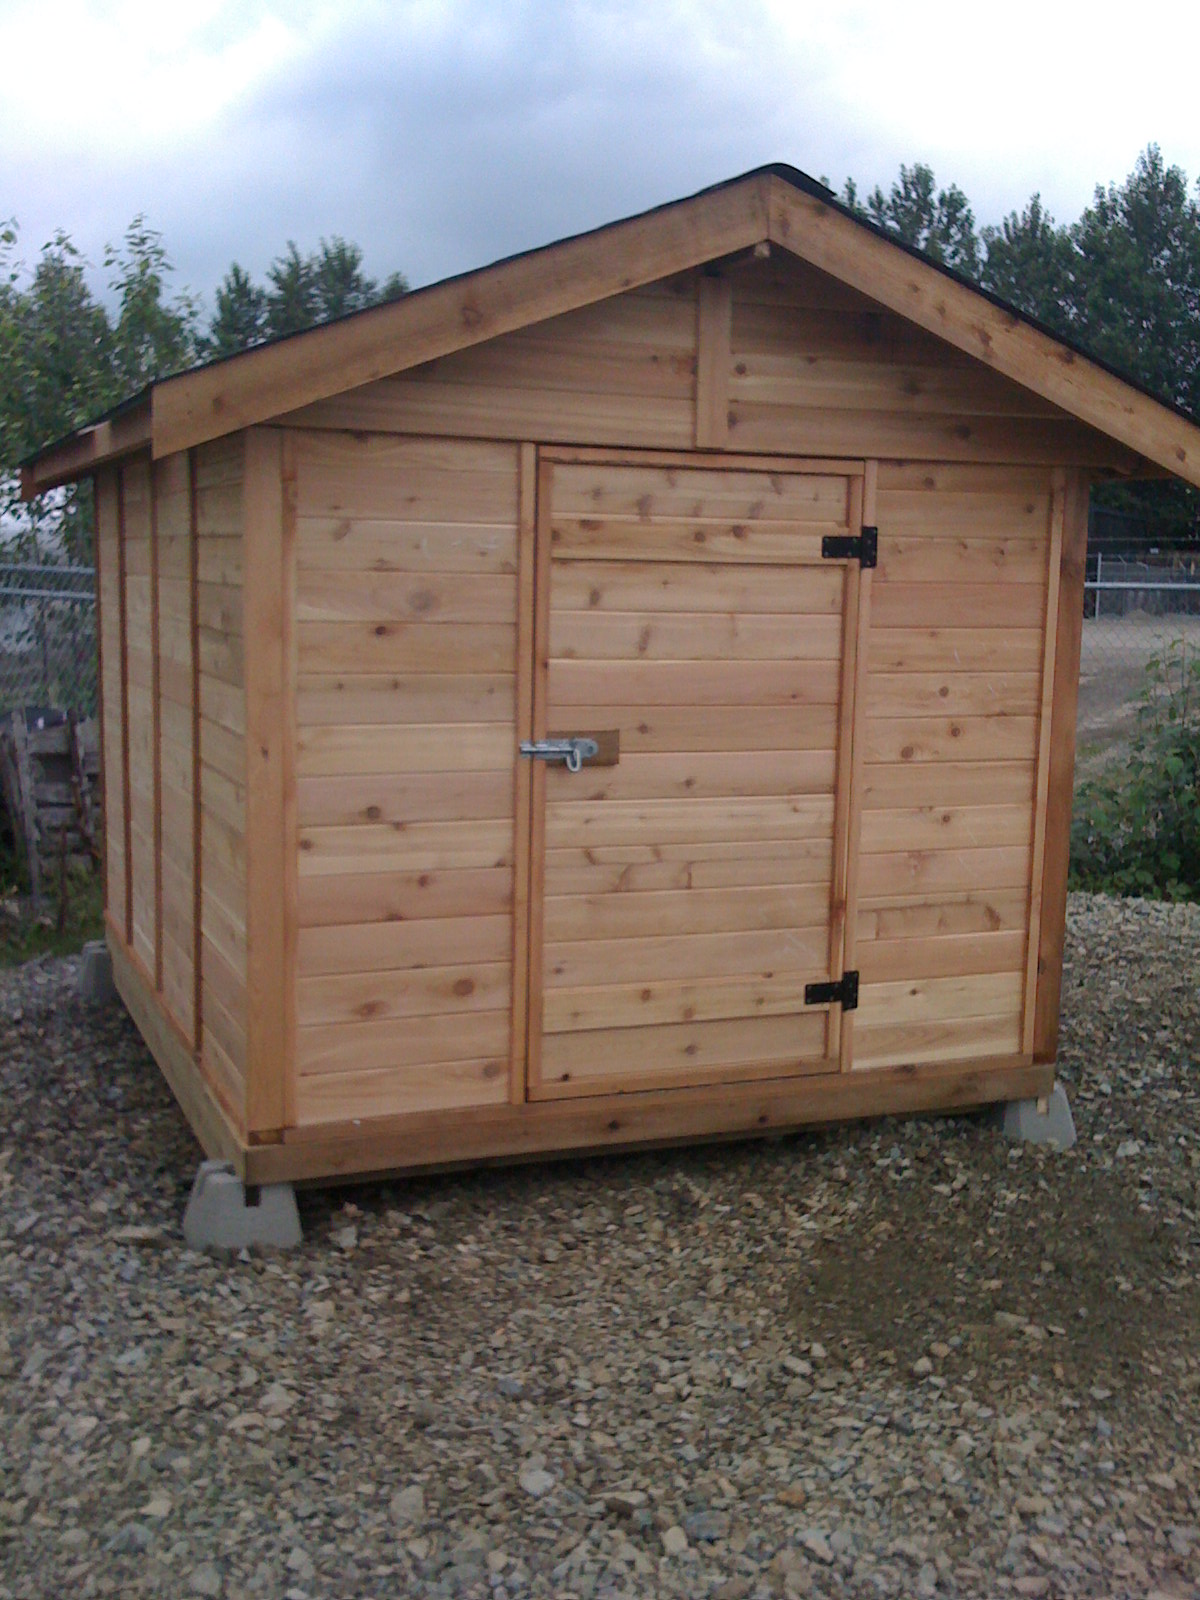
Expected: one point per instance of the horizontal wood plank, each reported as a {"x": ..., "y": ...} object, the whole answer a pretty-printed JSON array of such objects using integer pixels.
[
  {"x": 394, "y": 545},
  {"x": 684, "y": 912},
  {"x": 692, "y": 636},
  {"x": 349, "y": 748},
  {"x": 397, "y": 897},
  {"x": 639, "y": 586},
  {"x": 903, "y": 872},
  {"x": 411, "y": 797},
  {"x": 340, "y": 596},
  {"x": 404, "y": 1042},
  {"x": 427, "y": 991},
  {"x": 685, "y": 821},
  {"x": 737, "y": 774},
  {"x": 694, "y": 683},
  {"x": 900, "y": 740},
  {"x": 907, "y": 648},
  {"x": 404, "y": 847},
  {"x": 374, "y": 647},
  {"x": 757, "y": 954},
  {"x": 339, "y": 699},
  {"x": 412, "y": 946},
  {"x": 682, "y": 1052}
]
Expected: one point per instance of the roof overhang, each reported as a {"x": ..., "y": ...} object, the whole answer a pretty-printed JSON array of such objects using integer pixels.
[
  {"x": 123, "y": 432},
  {"x": 773, "y": 205}
]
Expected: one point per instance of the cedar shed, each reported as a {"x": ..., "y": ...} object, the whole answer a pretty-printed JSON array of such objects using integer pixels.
[{"x": 623, "y": 694}]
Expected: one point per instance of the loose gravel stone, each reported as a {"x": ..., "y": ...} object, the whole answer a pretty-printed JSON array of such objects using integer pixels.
[
  {"x": 536, "y": 1481},
  {"x": 206, "y": 1580},
  {"x": 408, "y": 1505},
  {"x": 895, "y": 1358}
]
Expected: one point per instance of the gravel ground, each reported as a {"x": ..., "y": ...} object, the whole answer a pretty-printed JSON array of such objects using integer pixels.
[{"x": 892, "y": 1359}]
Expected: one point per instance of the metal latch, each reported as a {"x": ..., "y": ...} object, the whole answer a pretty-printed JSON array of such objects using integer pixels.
[
  {"x": 843, "y": 992},
  {"x": 571, "y": 752}
]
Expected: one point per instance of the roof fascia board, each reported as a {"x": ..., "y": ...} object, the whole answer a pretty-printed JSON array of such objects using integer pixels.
[
  {"x": 82, "y": 452},
  {"x": 819, "y": 234},
  {"x": 276, "y": 379}
]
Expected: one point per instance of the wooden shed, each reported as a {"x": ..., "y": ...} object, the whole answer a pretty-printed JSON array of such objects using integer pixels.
[{"x": 783, "y": 521}]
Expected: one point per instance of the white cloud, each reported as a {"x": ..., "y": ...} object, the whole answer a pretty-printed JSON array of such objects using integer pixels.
[{"x": 442, "y": 133}]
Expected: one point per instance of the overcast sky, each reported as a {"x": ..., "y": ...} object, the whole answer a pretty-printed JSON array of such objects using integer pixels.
[{"x": 442, "y": 134}]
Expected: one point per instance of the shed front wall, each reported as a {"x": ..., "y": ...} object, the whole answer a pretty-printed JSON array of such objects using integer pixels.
[
  {"x": 410, "y": 839},
  {"x": 395, "y": 539}
]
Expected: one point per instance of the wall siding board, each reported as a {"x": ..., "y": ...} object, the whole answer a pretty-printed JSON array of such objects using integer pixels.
[
  {"x": 140, "y": 690},
  {"x": 173, "y": 532}
]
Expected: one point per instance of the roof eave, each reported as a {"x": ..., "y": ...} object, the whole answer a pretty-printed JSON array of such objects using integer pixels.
[{"x": 123, "y": 432}]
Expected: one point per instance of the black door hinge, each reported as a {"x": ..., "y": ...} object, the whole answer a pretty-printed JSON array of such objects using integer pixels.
[
  {"x": 863, "y": 548},
  {"x": 844, "y": 992}
]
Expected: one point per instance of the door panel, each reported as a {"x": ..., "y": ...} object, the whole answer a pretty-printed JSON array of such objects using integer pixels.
[{"x": 682, "y": 898}]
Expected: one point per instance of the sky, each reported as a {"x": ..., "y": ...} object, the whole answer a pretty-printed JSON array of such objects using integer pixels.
[{"x": 443, "y": 134}]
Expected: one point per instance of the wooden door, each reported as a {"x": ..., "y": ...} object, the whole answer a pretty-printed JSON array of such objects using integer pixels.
[{"x": 684, "y": 897}]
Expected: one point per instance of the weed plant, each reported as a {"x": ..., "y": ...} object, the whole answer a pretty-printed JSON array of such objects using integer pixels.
[{"x": 1136, "y": 829}]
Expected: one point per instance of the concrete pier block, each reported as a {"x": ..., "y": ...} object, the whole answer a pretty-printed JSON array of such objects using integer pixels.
[
  {"x": 1044, "y": 1121},
  {"x": 96, "y": 987},
  {"x": 219, "y": 1216}
]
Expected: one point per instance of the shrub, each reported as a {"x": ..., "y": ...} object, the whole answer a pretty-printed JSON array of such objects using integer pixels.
[{"x": 1136, "y": 830}]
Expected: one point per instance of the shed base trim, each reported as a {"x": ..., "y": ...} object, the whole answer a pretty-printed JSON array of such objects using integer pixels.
[{"x": 631, "y": 1121}]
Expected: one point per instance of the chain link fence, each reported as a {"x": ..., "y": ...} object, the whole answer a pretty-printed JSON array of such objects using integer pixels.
[
  {"x": 47, "y": 638},
  {"x": 1141, "y": 603}
]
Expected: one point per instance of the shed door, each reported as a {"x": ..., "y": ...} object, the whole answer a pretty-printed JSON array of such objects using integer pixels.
[{"x": 684, "y": 895}]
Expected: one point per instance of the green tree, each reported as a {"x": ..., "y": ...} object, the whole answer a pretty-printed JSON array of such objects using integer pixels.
[
  {"x": 152, "y": 335},
  {"x": 1134, "y": 301},
  {"x": 338, "y": 280},
  {"x": 64, "y": 361},
  {"x": 1136, "y": 290},
  {"x": 240, "y": 319},
  {"x": 55, "y": 340},
  {"x": 939, "y": 222},
  {"x": 292, "y": 303},
  {"x": 306, "y": 290},
  {"x": 1029, "y": 261}
]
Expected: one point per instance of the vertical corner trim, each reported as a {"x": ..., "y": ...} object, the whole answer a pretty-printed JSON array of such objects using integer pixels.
[
  {"x": 265, "y": 631},
  {"x": 1050, "y": 927}
]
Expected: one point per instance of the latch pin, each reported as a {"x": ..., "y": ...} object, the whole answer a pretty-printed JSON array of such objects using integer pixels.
[{"x": 571, "y": 752}]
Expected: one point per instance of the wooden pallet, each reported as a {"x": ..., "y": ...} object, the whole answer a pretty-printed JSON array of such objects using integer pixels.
[{"x": 50, "y": 785}]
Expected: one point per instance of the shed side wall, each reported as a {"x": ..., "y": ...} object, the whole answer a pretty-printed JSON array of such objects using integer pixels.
[
  {"x": 174, "y": 721},
  {"x": 405, "y": 749}
]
